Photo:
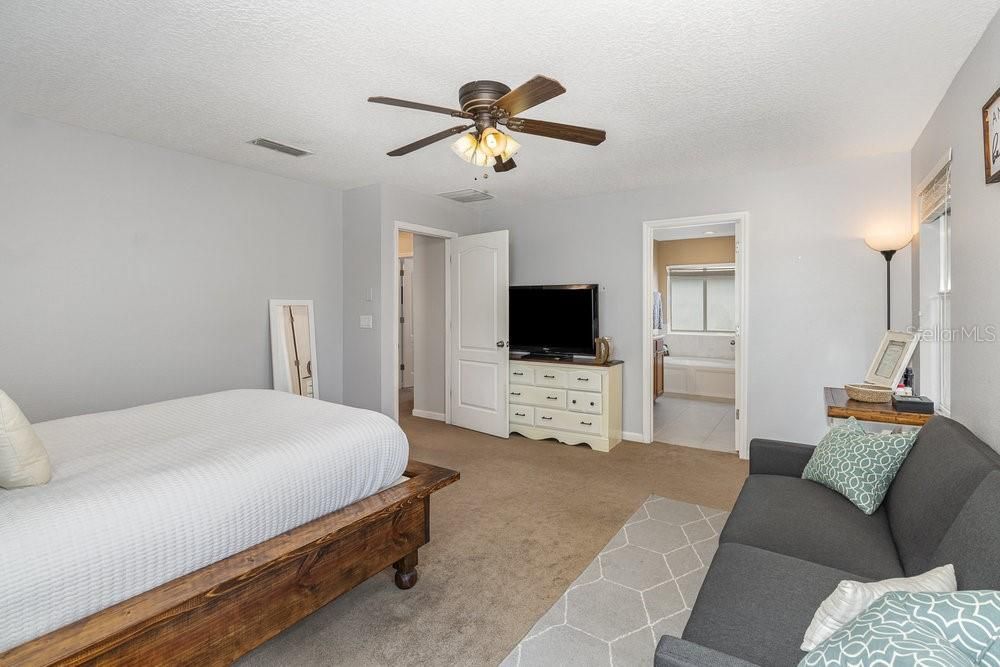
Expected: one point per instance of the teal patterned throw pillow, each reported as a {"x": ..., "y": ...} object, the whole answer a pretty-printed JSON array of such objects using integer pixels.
[
  {"x": 857, "y": 464},
  {"x": 903, "y": 629}
]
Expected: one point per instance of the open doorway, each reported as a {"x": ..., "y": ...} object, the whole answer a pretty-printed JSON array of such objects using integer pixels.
[
  {"x": 694, "y": 279},
  {"x": 422, "y": 322}
]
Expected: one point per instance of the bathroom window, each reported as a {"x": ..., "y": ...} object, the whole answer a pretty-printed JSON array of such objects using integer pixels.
[{"x": 701, "y": 299}]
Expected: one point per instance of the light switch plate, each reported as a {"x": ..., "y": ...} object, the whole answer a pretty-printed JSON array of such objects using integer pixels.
[{"x": 366, "y": 322}]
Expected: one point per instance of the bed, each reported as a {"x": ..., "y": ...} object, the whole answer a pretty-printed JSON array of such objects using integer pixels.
[{"x": 198, "y": 528}]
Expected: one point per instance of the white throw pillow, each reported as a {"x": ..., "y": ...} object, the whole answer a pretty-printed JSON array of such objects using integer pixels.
[
  {"x": 853, "y": 597},
  {"x": 23, "y": 459}
]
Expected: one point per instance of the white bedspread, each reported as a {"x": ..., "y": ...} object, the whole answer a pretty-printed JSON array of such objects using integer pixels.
[{"x": 142, "y": 496}]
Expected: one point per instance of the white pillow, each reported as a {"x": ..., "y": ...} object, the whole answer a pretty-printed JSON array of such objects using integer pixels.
[
  {"x": 853, "y": 597},
  {"x": 23, "y": 459}
]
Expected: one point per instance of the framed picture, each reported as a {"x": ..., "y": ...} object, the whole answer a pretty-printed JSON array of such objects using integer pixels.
[
  {"x": 991, "y": 138},
  {"x": 890, "y": 361}
]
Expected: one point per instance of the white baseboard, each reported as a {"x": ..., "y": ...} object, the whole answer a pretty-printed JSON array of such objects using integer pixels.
[
  {"x": 436, "y": 416},
  {"x": 632, "y": 436}
]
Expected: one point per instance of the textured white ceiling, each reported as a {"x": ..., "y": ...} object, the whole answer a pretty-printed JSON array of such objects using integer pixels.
[{"x": 684, "y": 88}]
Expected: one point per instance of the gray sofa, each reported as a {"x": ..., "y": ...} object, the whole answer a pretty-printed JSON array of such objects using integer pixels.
[{"x": 790, "y": 541}]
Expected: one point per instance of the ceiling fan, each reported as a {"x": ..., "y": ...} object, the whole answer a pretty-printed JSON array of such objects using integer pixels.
[{"x": 491, "y": 103}]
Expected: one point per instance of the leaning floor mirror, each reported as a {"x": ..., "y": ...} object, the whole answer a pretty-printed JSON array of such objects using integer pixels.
[{"x": 293, "y": 347}]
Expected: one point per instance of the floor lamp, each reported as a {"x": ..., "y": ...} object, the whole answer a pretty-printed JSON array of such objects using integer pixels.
[{"x": 888, "y": 242}]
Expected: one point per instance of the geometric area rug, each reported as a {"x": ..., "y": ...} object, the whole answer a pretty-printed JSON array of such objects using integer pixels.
[{"x": 641, "y": 586}]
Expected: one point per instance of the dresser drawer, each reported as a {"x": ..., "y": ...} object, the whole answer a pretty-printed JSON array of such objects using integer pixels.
[
  {"x": 543, "y": 396},
  {"x": 522, "y": 414},
  {"x": 567, "y": 421},
  {"x": 521, "y": 374},
  {"x": 584, "y": 401},
  {"x": 550, "y": 377},
  {"x": 585, "y": 380}
]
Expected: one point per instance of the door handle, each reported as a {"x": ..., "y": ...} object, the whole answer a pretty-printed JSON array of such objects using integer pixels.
[{"x": 500, "y": 343}]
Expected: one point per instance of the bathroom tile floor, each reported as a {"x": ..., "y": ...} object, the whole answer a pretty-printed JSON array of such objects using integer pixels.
[{"x": 693, "y": 422}]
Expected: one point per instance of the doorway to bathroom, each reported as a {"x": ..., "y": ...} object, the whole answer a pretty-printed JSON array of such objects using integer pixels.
[
  {"x": 695, "y": 334},
  {"x": 421, "y": 335}
]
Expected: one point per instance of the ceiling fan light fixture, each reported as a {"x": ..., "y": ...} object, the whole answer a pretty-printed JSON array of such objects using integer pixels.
[
  {"x": 510, "y": 148},
  {"x": 465, "y": 146},
  {"x": 480, "y": 157},
  {"x": 493, "y": 141}
]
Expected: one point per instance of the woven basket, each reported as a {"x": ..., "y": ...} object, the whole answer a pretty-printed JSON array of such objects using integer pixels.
[{"x": 868, "y": 393}]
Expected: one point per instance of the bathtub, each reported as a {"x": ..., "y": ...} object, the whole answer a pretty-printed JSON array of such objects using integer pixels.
[{"x": 700, "y": 376}]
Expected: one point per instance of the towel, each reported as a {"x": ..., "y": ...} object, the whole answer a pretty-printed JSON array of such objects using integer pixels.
[{"x": 657, "y": 310}]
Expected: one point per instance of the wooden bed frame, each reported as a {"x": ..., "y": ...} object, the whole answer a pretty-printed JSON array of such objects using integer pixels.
[{"x": 216, "y": 614}]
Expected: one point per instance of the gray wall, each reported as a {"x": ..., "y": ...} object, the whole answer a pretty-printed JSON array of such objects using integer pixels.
[
  {"x": 361, "y": 271},
  {"x": 975, "y": 230},
  {"x": 134, "y": 274},
  {"x": 817, "y": 298},
  {"x": 428, "y": 324},
  {"x": 370, "y": 214}
]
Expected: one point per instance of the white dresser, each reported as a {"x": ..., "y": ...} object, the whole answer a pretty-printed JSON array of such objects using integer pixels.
[{"x": 572, "y": 402}]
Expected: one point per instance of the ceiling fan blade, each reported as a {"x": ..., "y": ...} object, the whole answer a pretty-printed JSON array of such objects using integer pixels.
[
  {"x": 392, "y": 101},
  {"x": 529, "y": 94},
  {"x": 427, "y": 141},
  {"x": 500, "y": 166},
  {"x": 543, "y": 128}
]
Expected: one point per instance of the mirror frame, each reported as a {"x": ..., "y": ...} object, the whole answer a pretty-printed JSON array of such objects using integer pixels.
[{"x": 280, "y": 370}]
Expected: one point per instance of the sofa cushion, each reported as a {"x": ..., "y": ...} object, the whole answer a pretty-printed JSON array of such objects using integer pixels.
[
  {"x": 800, "y": 518},
  {"x": 972, "y": 544},
  {"x": 857, "y": 464},
  {"x": 945, "y": 465},
  {"x": 756, "y": 604},
  {"x": 961, "y": 628}
]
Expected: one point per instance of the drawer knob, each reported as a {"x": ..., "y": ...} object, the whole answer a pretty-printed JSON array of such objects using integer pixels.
[
  {"x": 546, "y": 418},
  {"x": 552, "y": 398},
  {"x": 591, "y": 403},
  {"x": 587, "y": 423},
  {"x": 515, "y": 393},
  {"x": 518, "y": 373},
  {"x": 551, "y": 377},
  {"x": 520, "y": 414},
  {"x": 583, "y": 379}
]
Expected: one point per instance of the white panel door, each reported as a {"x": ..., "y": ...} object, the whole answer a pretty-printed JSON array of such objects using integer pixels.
[{"x": 479, "y": 358}]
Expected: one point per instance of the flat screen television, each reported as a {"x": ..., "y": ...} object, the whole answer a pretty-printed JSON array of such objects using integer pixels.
[{"x": 553, "y": 320}]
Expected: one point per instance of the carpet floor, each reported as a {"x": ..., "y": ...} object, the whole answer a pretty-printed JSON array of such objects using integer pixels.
[{"x": 507, "y": 539}]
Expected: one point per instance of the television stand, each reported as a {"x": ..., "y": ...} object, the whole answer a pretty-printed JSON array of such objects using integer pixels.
[
  {"x": 541, "y": 356},
  {"x": 574, "y": 402}
]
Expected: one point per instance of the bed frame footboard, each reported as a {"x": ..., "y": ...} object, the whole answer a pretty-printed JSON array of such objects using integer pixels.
[{"x": 216, "y": 614}]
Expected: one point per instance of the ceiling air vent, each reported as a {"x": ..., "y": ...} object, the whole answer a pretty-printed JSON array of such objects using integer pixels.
[
  {"x": 466, "y": 196},
  {"x": 281, "y": 148}
]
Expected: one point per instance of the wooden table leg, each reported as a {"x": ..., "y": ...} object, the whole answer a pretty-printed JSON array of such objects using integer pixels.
[{"x": 406, "y": 571}]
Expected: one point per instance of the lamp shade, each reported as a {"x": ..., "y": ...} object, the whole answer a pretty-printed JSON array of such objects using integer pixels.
[
  {"x": 511, "y": 148},
  {"x": 493, "y": 141},
  {"x": 889, "y": 238},
  {"x": 465, "y": 146}
]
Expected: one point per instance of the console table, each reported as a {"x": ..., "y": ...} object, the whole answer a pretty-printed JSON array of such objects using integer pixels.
[
  {"x": 839, "y": 406},
  {"x": 573, "y": 402}
]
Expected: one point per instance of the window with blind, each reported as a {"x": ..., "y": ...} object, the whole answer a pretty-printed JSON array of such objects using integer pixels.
[
  {"x": 935, "y": 289},
  {"x": 701, "y": 299}
]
